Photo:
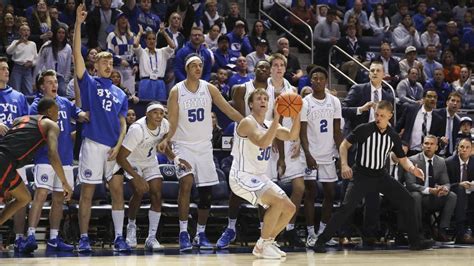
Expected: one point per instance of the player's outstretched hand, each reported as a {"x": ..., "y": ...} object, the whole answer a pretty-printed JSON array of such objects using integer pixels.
[
  {"x": 185, "y": 164},
  {"x": 67, "y": 192},
  {"x": 81, "y": 14}
]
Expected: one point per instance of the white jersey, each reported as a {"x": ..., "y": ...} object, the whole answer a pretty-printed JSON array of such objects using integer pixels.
[
  {"x": 194, "y": 122},
  {"x": 141, "y": 141},
  {"x": 248, "y": 157},
  {"x": 320, "y": 115},
  {"x": 249, "y": 88}
]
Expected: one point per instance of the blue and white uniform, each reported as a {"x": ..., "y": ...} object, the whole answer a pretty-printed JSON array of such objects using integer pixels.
[
  {"x": 106, "y": 103},
  {"x": 192, "y": 140},
  {"x": 13, "y": 104},
  {"x": 45, "y": 176}
]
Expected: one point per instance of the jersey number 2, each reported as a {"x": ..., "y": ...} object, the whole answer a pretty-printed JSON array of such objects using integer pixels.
[
  {"x": 323, "y": 126},
  {"x": 196, "y": 115}
]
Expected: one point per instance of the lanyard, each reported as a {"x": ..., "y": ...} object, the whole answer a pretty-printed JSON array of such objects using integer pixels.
[{"x": 156, "y": 61}]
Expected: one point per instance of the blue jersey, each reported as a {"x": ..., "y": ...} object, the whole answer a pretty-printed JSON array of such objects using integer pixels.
[
  {"x": 105, "y": 102},
  {"x": 13, "y": 104},
  {"x": 67, "y": 110}
]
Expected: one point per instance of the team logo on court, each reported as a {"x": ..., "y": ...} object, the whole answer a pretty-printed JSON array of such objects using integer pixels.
[
  {"x": 44, "y": 178},
  {"x": 87, "y": 173},
  {"x": 308, "y": 171}
]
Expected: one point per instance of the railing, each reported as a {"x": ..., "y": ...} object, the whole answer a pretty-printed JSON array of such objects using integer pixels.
[
  {"x": 311, "y": 48},
  {"x": 353, "y": 82}
]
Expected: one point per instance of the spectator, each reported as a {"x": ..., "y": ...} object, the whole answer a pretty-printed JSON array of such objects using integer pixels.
[
  {"x": 186, "y": 11},
  {"x": 241, "y": 75},
  {"x": 467, "y": 25},
  {"x": 354, "y": 20},
  {"x": 430, "y": 36},
  {"x": 8, "y": 32},
  {"x": 220, "y": 81},
  {"x": 361, "y": 15},
  {"x": 24, "y": 54},
  {"x": 173, "y": 30},
  {"x": 68, "y": 15},
  {"x": 405, "y": 35},
  {"x": 210, "y": 38},
  {"x": 41, "y": 24},
  {"x": 459, "y": 11},
  {"x": 442, "y": 88},
  {"x": 278, "y": 13},
  {"x": 430, "y": 63},
  {"x": 195, "y": 45},
  {"x": 216, "y": 132},
  {"x": 321, "y": 12},
  {"x": 99, "y": 24},
  {"x": 224, "y": 57},
  {"x": 420, "y": 19},
  {"x": 260, "y": 53},
  {"x": 233, "y": 17},
  {"x": 450, "y": 31},
  {"x": 379, "y": 22},
  {"x": 141, "y": 15},
  {"x": 466, "y": 128},
  {"x": 117, "y": 81},
  {"x": 458, "y": 51},
  {"x": 451, "y": 70},
  {"x": 211, "y": 17},
  {"x": 409, "y": 62},
  {"x": 303, "y": 11},
  {"x": 131, "y": 115},
  {"x": 326, "y": 34},
  {"x": 355, "y": 48},
  {"x": 305, "y": 91},
  {"x": 258, "y": 33},
  {"x": 56, "y": 54},
  {"x": 409, "y": 90},
  {"x": 238, "y": 40},
  {"x": 119, "y": 43},
  {"x": 293, "y": 69},
  {"x": 390, "y": 65},
  {"x": 465, "y": 87},
  {"x": 54, "y": 15},
  {"x": 402, "y": 10},
  {"x": 152, "y": 72},
  {"x": 444, "y": 9},
  {"x": 468, "y": 42}
]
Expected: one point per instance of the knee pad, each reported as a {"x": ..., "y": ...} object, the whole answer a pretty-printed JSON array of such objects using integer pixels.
[{"x": 205, "y": 197}]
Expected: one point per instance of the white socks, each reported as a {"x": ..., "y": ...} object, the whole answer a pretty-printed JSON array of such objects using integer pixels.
[
  {"x": 311, "y": 230},
  {"x": 322, "y": 226},
  {"x": 53, "y": 233},
  {"x": 200, "y": 228},
  {"x": 290, "y": 227},
  {"x": 118, "y": 216},
  {"x": 231, "y": 224},
  {"x": 31, "y": 231},
  {"x": 154, "y": 220},
  {"x": 183, "y": 226}
]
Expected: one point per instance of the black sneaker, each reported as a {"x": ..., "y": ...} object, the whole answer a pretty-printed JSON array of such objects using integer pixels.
[
  {"x": 320, "y": 247},
  {"x": 293, "y": 239},
  {"x": 422, "y": 244}
]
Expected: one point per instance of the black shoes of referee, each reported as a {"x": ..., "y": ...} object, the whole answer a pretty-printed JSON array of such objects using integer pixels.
[{"x": 320, "y": 247}]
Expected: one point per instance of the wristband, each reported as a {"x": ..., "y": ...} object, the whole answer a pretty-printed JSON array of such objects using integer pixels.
[{"x": 176, "y": 160}]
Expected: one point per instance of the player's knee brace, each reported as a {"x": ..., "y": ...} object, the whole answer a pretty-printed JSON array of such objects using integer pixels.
[{"x": 205, "y": 196}]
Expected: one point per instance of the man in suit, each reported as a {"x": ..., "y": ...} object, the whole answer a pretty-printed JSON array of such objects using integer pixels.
[
  {"x": 451, "y": 123},
  {"x": 358, "y": 108},
  {"x": 391, "y": 65},
  {"x": 418, "y": 121},
  {"x": 99, "y": 23},
  {"x": 433, "y": 193},
  {"x": 461, "y": 174}
]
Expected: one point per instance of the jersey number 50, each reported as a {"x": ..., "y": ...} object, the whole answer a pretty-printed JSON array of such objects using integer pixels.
[{"x": 196, "y": 115}]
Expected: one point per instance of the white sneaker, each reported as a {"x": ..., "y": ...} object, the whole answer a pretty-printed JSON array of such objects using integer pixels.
[
  {"x": 265, "y": 250},
  {"x": 311, "y": 241},
  {"x": 152, "y": 244},
  {"x": 332, "y": 243},
  {"x": 131, "y": 235},
  {"x": 276, "y": 247}
]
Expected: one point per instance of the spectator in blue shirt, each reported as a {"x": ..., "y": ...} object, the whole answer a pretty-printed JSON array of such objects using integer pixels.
[{"x": 238, "y": 39}]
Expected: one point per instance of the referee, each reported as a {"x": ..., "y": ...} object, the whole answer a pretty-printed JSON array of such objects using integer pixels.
[{"x": 375, "y": 140}]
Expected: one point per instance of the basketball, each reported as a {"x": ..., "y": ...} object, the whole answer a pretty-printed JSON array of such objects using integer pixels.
[{"x": 289, "y": 104}]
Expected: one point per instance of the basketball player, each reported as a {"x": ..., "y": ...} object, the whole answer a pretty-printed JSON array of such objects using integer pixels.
[
  {"x": 252, "y": 144},
  {"x": 137, "y": 157},
  {"x": 240, "y": 97},
  {"x": 46, "y": 180},
  {"x": 103, "y": 137},
  {"x": 320, "y": 135},
  {"x": 18, "y": 146},
  {"x": 286, "y": 164},
  {"x": 189, "y": 113}
]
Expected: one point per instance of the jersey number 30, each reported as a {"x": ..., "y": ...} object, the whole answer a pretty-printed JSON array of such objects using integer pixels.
[
  {"x": 196, "y": 115},
  {"x": 264, "y": 154}
]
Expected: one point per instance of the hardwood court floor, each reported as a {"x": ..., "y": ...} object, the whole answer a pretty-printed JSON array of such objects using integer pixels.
[{"x": 437, "y": 256}]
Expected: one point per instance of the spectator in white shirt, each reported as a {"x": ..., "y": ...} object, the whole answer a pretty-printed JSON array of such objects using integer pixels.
[
  {"x": 430, "y": 36},
  {"x": 405, "y": 35},
  {"x": 379, "y": 22},
  {"x": 210, "y": 38},
  {"x": 24, "y": 54},
  {"x": 260, "y": 53}
]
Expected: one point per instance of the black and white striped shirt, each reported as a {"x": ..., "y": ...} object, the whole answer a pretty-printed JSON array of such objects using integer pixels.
[{"x": 373, "y": 147}]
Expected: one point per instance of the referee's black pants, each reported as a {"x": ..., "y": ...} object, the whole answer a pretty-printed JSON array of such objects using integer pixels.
[{"x": 367, "y": 181}]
